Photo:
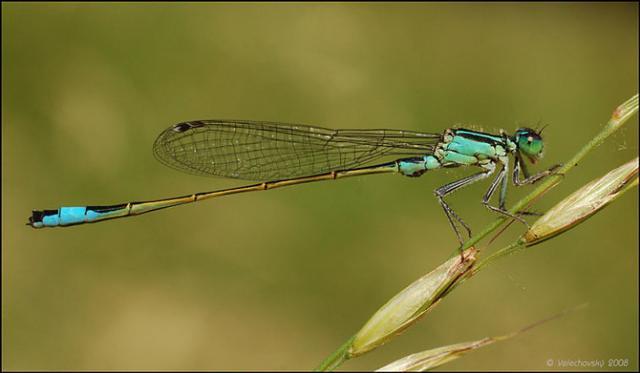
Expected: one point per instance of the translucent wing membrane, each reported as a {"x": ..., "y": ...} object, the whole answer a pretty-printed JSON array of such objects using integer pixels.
[{"x": 270, "y": 151}]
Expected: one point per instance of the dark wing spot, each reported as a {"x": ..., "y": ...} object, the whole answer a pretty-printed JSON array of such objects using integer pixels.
[{"x": 183, "y": 127}]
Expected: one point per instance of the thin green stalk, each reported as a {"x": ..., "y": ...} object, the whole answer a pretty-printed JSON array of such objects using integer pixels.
[
  {"x": 513, "y": 247},
  {"x": 335, "y": 359}
]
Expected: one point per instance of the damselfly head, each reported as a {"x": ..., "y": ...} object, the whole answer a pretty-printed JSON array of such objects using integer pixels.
[{"x": 529, "y": 143}]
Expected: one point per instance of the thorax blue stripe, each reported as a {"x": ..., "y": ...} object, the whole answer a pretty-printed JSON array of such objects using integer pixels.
[{"x": 480, "y": 136}]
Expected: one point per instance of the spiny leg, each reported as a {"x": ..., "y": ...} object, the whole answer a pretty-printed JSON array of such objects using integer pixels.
[
  {"x": 500, "y": 180},
  {"x": 450, "y": 216},
  {"x": 452, "y": 187},
  {"x": 530, "y": 179}
]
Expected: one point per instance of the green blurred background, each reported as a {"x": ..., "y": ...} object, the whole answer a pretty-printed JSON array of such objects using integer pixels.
[{"x": 279, "y": 280}]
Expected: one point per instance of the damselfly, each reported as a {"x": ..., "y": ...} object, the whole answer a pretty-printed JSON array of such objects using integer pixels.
[{"x": 279, "y": 154}]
